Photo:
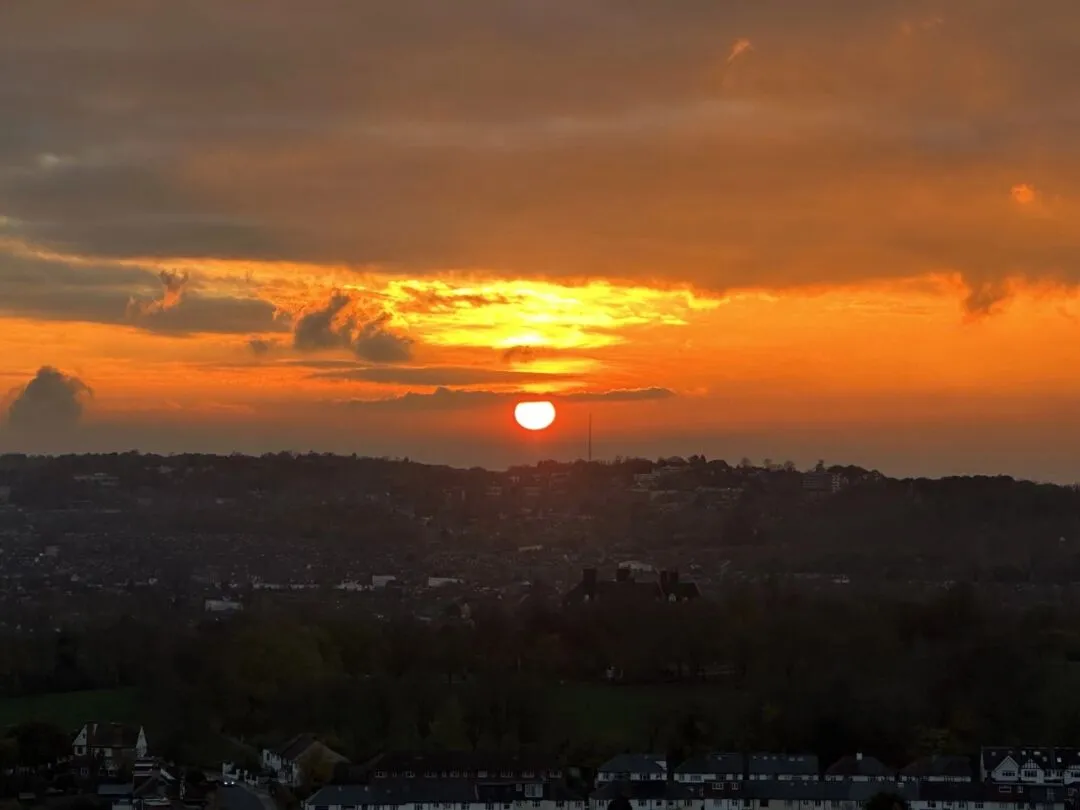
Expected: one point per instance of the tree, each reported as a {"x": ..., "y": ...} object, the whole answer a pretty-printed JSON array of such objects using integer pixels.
[{"x": 886, "y": 801}]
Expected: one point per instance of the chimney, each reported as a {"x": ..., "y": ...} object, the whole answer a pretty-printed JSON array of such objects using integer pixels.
[{"x": 622, "y": 574}]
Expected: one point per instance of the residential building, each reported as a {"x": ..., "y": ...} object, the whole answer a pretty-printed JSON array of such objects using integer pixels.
[
  {"x": 290, "y": 762},
  {"x": 783, "y": 767},
  {"x": 633, "y": 768},
  {"x": 1032, "y": 765},
  {"x": 111, "y": 743},
  {"x": 642, "y": 794},
  {"x": 459, "y": 794},
  {"x": 859, "y": 768},
  {"x": 937, "y": 769},
  {"x": 455, "y": 765},
  {"x": 626, "y": 589},
  {"x": 709, "y": 768}
]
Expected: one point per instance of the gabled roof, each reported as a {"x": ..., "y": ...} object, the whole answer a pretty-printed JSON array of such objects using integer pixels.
[
  {"x": 941, "y": 766},
  {"x": 713, "y": 763},
  {"x": 642, "y": 790},
  {"x": 856, "y": 765},
  {"x": 806, "y": 790},
  {"x": 293, "y": 749},
  {"x": 635, "y": 763},
  {"x": 395, "y": 792},
  {"x": 111, "y": 735},
  {"x": 444, "y": 763},
  {"x": 780, "y": 764}
]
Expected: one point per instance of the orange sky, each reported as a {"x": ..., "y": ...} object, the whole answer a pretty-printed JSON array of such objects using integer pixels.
[{"x": 851, "y": 233}]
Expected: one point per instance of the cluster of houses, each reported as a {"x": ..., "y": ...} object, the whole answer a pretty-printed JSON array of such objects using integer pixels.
[{"x": 1004, "y": 779}]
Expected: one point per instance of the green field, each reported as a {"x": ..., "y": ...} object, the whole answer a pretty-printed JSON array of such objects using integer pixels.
[
  {"x": 69, "y": 710},
  {"x": 609, "y": 715}
]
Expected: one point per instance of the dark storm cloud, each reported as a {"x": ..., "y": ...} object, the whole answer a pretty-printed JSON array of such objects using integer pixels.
[
  {"x": 197, "y": 314},
  {"x": 862, "y": 140},
  {"x": 337, "y": 326},
  {"x": 54, "y": 289},
  {"x": 51, "y": 403},
  {"x": 452, "y": 399},
  {"x": 375, "y": 343}
]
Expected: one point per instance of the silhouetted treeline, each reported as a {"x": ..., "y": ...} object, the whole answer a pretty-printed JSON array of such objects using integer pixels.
[{"x": 759, "y": 669}]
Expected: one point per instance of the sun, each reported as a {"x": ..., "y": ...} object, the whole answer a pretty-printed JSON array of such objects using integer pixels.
[{"x": 534, "y": 415}]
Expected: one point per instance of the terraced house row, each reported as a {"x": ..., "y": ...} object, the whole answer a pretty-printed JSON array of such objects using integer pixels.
[{"x": 1027, "y": 778}]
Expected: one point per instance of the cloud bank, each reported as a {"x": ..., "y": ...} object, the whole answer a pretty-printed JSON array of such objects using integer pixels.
[
  {"x": 49, "y": 406},
  {"x": 863, "y": 141}
]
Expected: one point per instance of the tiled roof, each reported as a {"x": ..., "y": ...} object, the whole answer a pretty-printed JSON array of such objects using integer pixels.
[
  {"x": 713, "y": 763},
  {"x": 776, "y": 764},
  {"x": 635, "y": 763}
]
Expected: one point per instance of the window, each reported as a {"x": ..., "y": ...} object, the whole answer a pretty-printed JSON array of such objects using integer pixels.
[
  {"x": 1028, "y": 774},
  {"x": 978, "y": 806},
  {"x": 410, "y": 774},
  {"x": 380, "y": 774}
]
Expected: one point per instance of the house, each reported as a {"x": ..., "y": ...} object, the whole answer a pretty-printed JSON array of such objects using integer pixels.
[
  {"x": 642, "y": 794},
  {"x": 798, "y": 794},
  {"x": 633, "y": 768},
  {"x": 783, "y": 767},
  {"x": 937, "y": 769},
  {"x": 428, "y": 794},
  {"x": 1032, "y": 765},
  {"x": 709, "y": 768},
  {"x": 989, "y": 796},
  {"x": 454, "y": 765},
  {"x": 110, "y": 743},
  {"x": 859, "y": 768},
  {"x": 626, "y": 589},
  {"x": 290, "y": 762}
]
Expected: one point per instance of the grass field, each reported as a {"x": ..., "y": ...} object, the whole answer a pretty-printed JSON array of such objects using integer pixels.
[
  {"x": 70, "y": 710},
  {"x": 610, "y": 715}
]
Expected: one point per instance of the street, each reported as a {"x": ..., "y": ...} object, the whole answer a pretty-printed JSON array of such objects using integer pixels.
[{"x": 240, "y": 797}]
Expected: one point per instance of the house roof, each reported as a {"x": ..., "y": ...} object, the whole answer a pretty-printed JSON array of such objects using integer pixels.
[
  {"x": 947, "y": 766},
  {"x": 777, "y": 764},
  {"x": 635, "y": 763},
  {"x": 713, "y": 763},
  {"x": 804, "y": 790},
  {"x": 443, "y": 763},
  {"x": 1042, "y": 757},
  {"x": 111, "y": 735},
  {"x": 432, "y": 791},
  {"x": 293, "y": 749},
  {"x": 641, "y": 790},
  {"x": 858, "y": 765}
]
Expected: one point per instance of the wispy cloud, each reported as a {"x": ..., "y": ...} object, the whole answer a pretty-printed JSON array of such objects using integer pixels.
[{"x": 453, "y": 398}]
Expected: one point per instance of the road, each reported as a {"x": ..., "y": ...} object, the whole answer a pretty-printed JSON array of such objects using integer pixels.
[{"x": 240, "y": 797}]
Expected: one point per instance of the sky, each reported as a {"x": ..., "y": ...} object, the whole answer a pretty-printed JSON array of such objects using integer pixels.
[{"x": 846, "y": 229}]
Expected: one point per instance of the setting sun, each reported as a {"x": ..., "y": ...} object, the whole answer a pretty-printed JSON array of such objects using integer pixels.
[{"x": 534, "y": 415}]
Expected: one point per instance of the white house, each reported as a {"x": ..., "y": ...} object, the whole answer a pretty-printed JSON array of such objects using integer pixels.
[
  {"x": 287, "y": 762},
  {"x": 110, "y": 742},
  {"x": 1030, "y": 765}
]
